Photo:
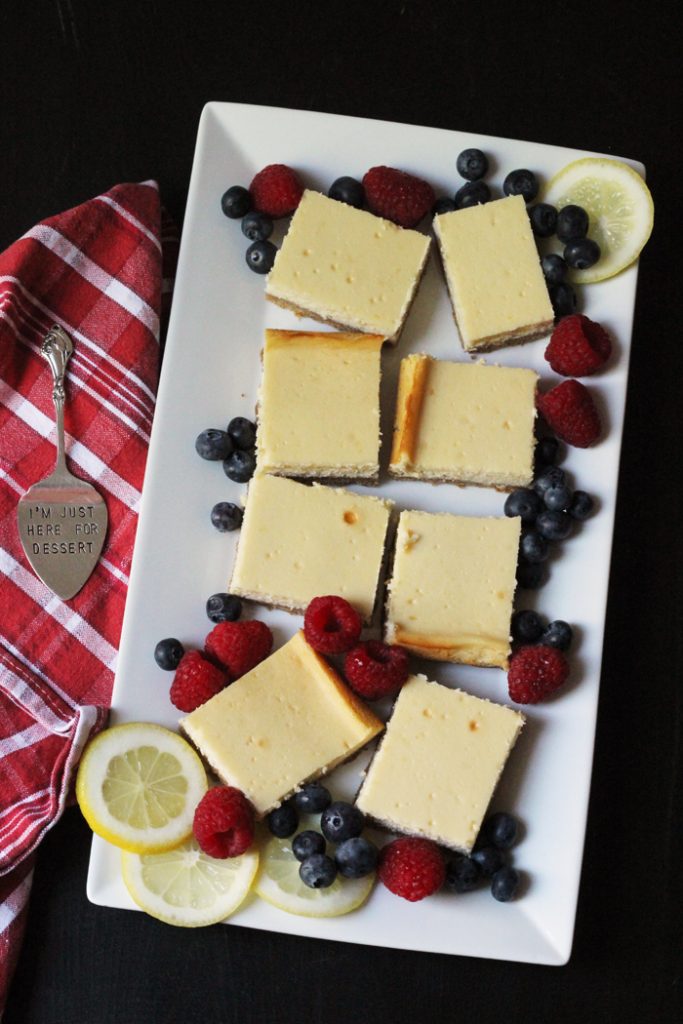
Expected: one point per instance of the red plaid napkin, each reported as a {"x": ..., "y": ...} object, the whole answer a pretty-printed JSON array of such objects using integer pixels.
[{"x": 97, "y": 270}]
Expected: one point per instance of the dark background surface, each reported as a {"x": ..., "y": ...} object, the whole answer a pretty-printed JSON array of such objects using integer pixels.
[{"x": 98, "y": 94}]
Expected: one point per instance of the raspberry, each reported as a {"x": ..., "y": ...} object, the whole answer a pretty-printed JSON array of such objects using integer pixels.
[
  {"x": 412, "y": 868},
  {"x": 196, "y": 680},
  {"x": 400, "y": 197},
  {"x": 570, "y": 412},
  {"x": 224, "y": 822},
  {"x": 239, "y": 646},
  {"x": 578, "y": 346},
  {"x": 331, "y": 625},
  {"x": 374, "y": 670},
  {"x": 276, "y": 190},
  {"x": 535, "y": 673}
]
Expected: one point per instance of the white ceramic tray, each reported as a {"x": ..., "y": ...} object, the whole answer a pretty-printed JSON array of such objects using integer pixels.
[{"x": 211, "y": 373}]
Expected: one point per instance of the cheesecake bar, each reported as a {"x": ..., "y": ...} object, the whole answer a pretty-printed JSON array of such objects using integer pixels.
[
  {"x": 318, "y": 408},
  {"x": 298, "y": 542},
  {"x": 464, "y": 423},
  {"x": 438, "y": 763},
  {"x": 347, "y": 267},
  {"x": 494, "y": 275},
  {"x": 289, "y": 720},
  {"x": 452, "y": 585}
]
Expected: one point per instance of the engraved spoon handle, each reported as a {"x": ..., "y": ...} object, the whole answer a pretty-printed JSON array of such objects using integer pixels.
[{"x": 57, "y": 348}]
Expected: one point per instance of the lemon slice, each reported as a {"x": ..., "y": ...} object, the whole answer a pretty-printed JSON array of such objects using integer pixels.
[
  {"x": 185, "y": 886},
  {"x": 619, "y": 205},
  {"x": 278, "y": 883},
  {"x": 138, "y": 786}
]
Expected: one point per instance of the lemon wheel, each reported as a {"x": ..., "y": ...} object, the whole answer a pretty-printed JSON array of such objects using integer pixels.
[
  {"x": 619, "y": 206},
  {"x": 138, "y": 785},
  {"x": 279, "y": 884},
  {"x": 186, "y": 887}
]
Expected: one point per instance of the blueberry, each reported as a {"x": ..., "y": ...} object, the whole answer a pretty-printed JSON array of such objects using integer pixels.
[
  {"x": 242, "y": 433},
  {"x": 526, "y": 626},
  {"x": 236, "y": 202},
  {"x": 257, "y": 226},
  {"x": 283, "y": 821},
  {"x": 213, "y": 445},
  {"x": 521, "y": 182},
  {"x": 524, "y": 503},
  {"x": 356, "y": 857},
  {"x": 260, "y": 256},
  {"x": 530, "y": 575},
  {"x": 557, "y": 498},
  {"x": 581, "y": 253},
  {"x": 554, "y": 525},
  {"x": 443, "y": 205},
  {"x": 553, "y": 476},
  {"x": 543, "y": 219},
  {"x": 504, "y": 884},
  {"x": 312, "y": 798},
  {"x": 562, "y": 299},
  {"x": 226, "y": 516},
  {"x": 581, "y": 506},
  {"x": 224, "y": 608},
  {"x": 341, "y": 821},
  {"x": 572, "y": 222},
  {"x": 547, "y": 451},
  {"x": 472, "y": 164},
  {"x": 347, "y": 190},
  {"x": 533, "y": 547},
  {"x": 554, "y": 268},
  {"x": 318, "y": 871},
  {"x": 501, "y": 830},
  {"x": 305, "y": 844},
  {"x": 471, "y": 194},
  {"x": 462, "y": 874},
  {"x": 168, "y": 653},
  {"x": 240, "y": 466},
  {"x": 558, "y": 634},
  {"x": 490, "y": 859}
]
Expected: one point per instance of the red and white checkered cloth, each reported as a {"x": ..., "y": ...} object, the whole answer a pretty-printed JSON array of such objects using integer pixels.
[{"x": 98, "y": 271}]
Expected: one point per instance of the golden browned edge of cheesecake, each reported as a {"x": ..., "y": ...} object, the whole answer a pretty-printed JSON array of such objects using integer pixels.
[
  {"x": 391, "y": 339},
  {"x": 412, "y": 385},
  {"x": 443, "y": 648},
  {"x": 280, "y": 338},
  {"x": 384, "y": 825}
]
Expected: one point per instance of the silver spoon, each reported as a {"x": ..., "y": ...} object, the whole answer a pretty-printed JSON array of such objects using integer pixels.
[{"x": 62, "y": 520}]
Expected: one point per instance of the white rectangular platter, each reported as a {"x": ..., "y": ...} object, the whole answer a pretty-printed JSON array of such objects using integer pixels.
[{"x": 211, "y": 373}]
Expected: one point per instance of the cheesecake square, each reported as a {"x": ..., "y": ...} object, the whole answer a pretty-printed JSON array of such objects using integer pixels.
[
  {"x": 298, "y": 542},
  {"x": 464, "y": 423},
  {"x": 318, "y": 408},
  {"x": 493, "y": 272},
  {"x": 452, "y": 587},
  {"x": 289, "y": 720},
  {"x": 438, "y": 763},
  {"x": 347, "y": 267}
]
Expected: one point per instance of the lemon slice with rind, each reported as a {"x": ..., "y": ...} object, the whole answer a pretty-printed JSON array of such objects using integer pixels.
[
  {"x": 186, "y": 887},
  {"x": 138, "y": 785},
  {"x": 619, "y": 205},
  {"x": 278, "y": 883}
]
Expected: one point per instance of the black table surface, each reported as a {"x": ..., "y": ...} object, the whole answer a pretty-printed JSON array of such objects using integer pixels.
[{"x": 98, "y": 94}]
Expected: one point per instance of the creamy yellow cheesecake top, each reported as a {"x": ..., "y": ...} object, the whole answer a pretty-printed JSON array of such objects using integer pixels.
[
  {"x": 494, "y": 275},
  {"x": 452, "y": 586},
  {"x": 287, "y": 721},
  {"x": 464, "y": 423},
  {"x": 298, "y": 542},
  {"x": 318, "y": 410},
  {"x": 347, "y": 267},
  {"x": 438, "y": 763}
]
